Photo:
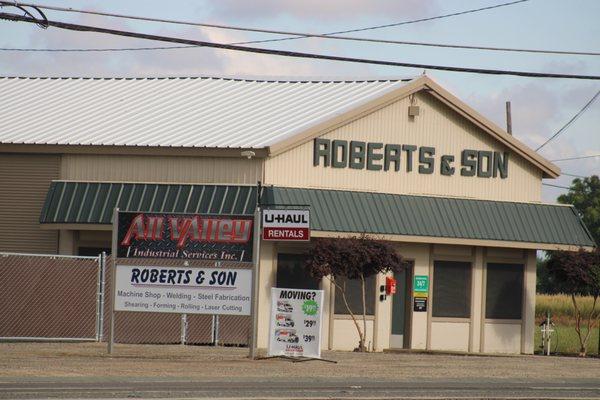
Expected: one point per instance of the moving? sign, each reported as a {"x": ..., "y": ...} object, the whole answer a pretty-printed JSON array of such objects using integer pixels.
[
  {"x": 296, "y": 319},
  {"x": 286, "y": 225}
]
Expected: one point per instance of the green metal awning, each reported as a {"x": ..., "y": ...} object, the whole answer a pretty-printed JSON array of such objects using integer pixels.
[
  {"x": 392, "y": 214},
  {"x": 93, "y": 202},
  {"x": 331, "y": 210}
]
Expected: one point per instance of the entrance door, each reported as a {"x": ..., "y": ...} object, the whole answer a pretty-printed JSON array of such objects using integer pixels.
[{"x": 401, "y": 312}]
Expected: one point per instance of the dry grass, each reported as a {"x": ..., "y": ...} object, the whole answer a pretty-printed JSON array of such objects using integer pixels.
[{"x": 561, "y": 305}]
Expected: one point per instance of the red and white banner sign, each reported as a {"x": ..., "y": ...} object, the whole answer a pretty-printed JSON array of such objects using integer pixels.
[{"x": 286, "y": 225}]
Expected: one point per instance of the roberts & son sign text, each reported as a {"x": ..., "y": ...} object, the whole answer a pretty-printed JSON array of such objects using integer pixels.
[{"x": 378, "y": 156}]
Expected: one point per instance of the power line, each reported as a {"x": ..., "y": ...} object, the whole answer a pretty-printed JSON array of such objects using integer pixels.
[
  {"x": 573, "y": 175},
  {"x": 394, "y": 24},
  {"x": 576, "y": 158},
  {"x": 381, "y": 41},
  {"x": 474, "y": 10},
  {"x": 556, "y": 186},
  {"x": 295, "y": 35},
  {"x": 284, "y": 53},
  {"x": 561, "y": 130}
]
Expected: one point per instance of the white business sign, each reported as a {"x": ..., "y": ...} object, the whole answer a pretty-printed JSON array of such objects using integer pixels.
[
  {"x": 286, "y": 225},
  {"x": 296, "y": 316},
  {"x": 183, "y": 290}
]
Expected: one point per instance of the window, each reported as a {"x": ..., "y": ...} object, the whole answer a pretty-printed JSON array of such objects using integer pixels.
[
  {"x": 504, "y": 291},
  {"x": 451, "y": 289},
  {"x": 292, "y": 274},
  {"x": 354, "y": 296}
]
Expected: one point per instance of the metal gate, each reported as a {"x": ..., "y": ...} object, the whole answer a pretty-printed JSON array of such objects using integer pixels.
[{"x": 50, "y": 297}]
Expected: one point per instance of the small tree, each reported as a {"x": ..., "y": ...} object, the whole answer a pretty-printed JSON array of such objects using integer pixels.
[
  {"x": 584, "y": 194},
  {"x": 341, "y": 259},
  {"x": 578, "y": 273}
]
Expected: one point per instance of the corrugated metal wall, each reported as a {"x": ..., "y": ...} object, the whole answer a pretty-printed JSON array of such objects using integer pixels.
[
  {"x": 116, "y": 168},
  {"x": 437, "y": 126},
  {"x": 24, "y": 181}
]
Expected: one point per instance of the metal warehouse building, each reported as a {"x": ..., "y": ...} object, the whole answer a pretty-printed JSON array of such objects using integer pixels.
[{"x": 403, "y": 160}]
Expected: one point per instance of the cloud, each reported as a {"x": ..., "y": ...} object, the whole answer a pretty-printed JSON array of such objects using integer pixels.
[
  {"x": 538, "y": 111},
  {"x": 321, "y": 10},
  {"x": 533, "y": 106}
]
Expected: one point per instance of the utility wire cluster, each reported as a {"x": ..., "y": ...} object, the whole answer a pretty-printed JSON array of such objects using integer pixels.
[
  {"x": 295, "y": 54},
  {"x": 299, "y": 35}
]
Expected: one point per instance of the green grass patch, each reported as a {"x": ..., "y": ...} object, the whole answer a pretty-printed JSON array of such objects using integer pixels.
[
  {"x": 565, "y": 341},
  {"x": 562, "y": 313}
]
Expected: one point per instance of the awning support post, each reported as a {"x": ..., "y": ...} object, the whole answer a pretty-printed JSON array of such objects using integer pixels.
[{"x": 255, "y": 282}]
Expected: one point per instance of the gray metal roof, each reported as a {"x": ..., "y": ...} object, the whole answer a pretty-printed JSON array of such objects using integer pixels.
[
  {"x": 331, "y": 210},
  {"x": 173, "y": 112}
]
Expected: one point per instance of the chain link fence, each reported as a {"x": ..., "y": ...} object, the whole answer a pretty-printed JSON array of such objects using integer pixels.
[
  {"x": 52, "y": 297},
  {"x": 151, "y": 327}
]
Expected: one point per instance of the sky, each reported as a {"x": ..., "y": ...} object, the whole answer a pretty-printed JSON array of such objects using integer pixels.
[{"x": 540, "y": 107}]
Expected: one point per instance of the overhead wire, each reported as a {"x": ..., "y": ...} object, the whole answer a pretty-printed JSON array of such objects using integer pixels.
[
  {"x": 556, "y": 186},
  {"x": 576, "y": 158},
  {"x": 294, "y": 35},
  {"x": 414, "y": 21},
  {"x": 42, "y": 24},
  {"x": 296, "y": 54},
  {"x": 573, "y": 119}
]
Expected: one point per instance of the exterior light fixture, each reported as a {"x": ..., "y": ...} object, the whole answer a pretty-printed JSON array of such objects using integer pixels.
[{"x": 248, "y": 154}]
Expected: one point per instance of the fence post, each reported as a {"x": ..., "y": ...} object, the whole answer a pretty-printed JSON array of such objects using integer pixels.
[
  {"x": 215, "y": 330},
  {"x": 115, "y": 226},
  {"x": 98, "y": 298},
  {"x": 183, "y": 329},
  {"x": 102, "y": 294}
]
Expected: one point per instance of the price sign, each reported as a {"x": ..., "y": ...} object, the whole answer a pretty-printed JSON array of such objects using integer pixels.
[{"x": 296, "y": 316}]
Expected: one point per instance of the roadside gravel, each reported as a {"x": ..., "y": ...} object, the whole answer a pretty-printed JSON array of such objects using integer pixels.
[{"x": 90, "y": 360}]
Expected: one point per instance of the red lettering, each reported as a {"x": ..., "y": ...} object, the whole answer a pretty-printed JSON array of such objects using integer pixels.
[{"x": 137, "y": 230}]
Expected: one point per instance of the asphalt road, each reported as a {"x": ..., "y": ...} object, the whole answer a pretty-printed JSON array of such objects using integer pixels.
[{"x": 294, "y": 388}]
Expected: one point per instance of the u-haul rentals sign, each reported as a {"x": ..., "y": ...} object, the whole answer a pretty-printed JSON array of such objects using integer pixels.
[{"x": 286, "y": 225}]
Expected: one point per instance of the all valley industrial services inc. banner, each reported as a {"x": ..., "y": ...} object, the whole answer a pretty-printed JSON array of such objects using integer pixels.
[
  {"x": 185, "y": 236},
  {"x": 296, "y": 319}
]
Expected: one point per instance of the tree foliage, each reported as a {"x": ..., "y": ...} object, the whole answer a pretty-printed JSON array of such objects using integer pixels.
[
  {"x": 352, "y": 258},
  {"x": 578, "y": 273},
  {"x": 584, "y": 194}
]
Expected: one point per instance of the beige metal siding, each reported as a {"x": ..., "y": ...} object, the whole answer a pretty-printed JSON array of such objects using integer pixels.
[
  {"x": 437, "y": 126},
  {"x": 24, "y": 181},
  {"x": 160, "y": 169}
]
